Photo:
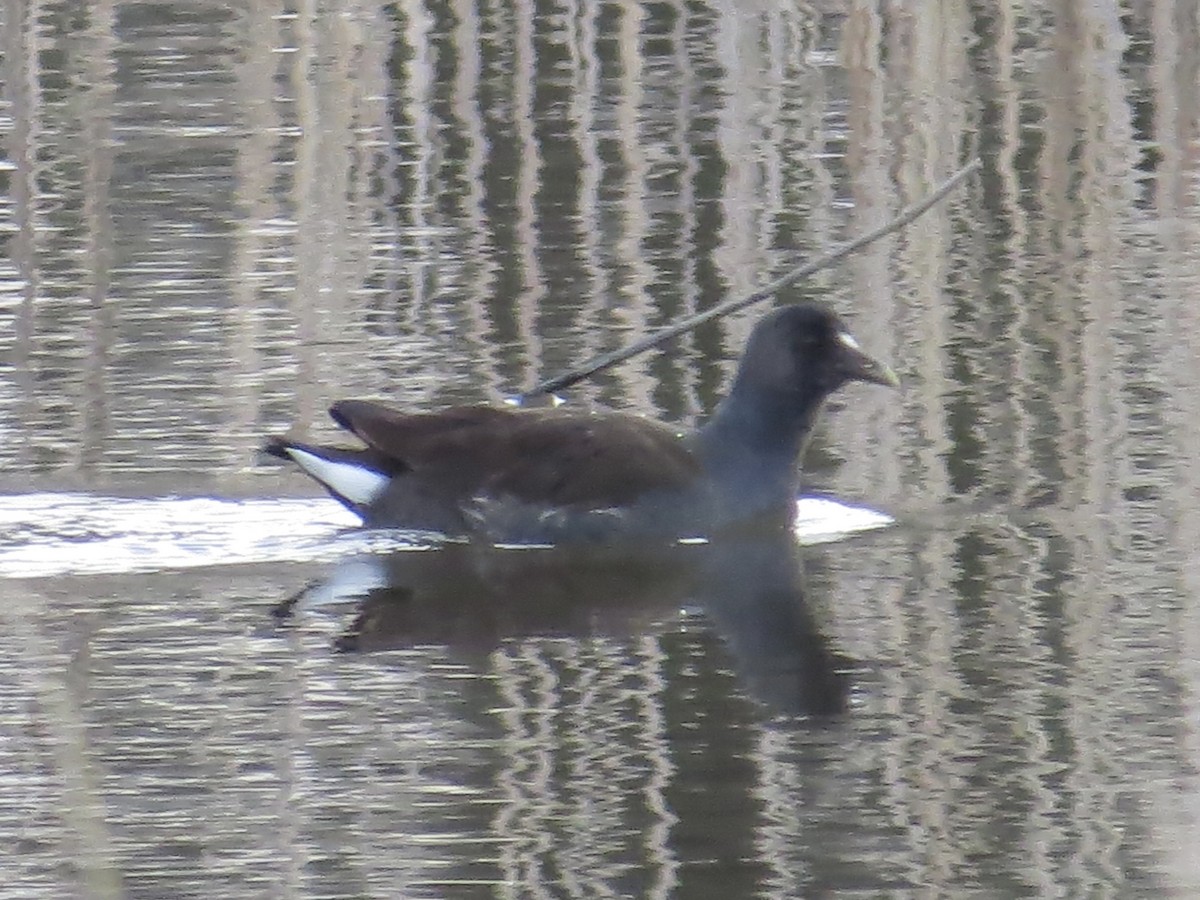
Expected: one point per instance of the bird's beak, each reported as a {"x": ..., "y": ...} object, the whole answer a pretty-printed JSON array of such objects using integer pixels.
[{"x": 857, "y": 366}]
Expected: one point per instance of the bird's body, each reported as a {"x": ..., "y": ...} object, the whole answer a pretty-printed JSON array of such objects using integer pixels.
[
  {"x": 508, "y": 474},
  {"x": 558, "y": 475}
]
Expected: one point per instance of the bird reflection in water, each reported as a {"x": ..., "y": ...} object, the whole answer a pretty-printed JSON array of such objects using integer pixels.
[{"x": 471, "y": 599}]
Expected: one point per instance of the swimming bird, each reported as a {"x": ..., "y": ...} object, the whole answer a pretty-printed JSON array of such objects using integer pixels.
[{"x": 510, "y": 475}]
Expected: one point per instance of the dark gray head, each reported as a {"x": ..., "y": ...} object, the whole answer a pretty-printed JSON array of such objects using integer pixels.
[
  {"x": 795, "y": 358},
  {"x": 808, "y": 351}
]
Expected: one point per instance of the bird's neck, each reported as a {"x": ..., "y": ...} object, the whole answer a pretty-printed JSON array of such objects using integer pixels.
[{"x": 755, "y": 444}]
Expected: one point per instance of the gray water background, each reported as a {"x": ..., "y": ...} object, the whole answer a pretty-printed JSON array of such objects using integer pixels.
[{"x": 217, "y": 219}]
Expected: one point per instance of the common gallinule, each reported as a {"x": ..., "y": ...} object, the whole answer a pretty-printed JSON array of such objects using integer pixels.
[{"x": 563, "y": 475}]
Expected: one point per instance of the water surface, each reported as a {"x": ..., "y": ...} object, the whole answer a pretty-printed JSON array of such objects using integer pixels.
[{"x": 219, "y": 221}]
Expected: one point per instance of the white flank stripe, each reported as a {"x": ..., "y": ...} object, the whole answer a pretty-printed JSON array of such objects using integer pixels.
[{"x": 357, "y": 484}]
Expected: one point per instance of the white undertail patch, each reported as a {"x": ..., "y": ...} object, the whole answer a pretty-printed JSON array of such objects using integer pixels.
[{"x": 356, "y": 483}]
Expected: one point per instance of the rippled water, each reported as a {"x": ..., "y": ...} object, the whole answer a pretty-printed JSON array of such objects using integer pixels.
[{"x": 218, "y": 220}]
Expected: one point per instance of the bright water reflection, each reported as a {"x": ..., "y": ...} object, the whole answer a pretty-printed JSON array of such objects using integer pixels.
[
  {"x": 45, "y": 534},
  {"x": 73, "y": 534}
]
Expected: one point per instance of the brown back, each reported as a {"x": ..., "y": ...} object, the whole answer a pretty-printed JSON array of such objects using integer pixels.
[{"x": 552, "y": 457}]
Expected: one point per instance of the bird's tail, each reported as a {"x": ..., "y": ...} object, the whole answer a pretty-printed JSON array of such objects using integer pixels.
[{"x": 355, "y": 478}]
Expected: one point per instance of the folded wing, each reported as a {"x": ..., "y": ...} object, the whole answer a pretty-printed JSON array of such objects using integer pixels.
[{"x": 551, "y": 457}]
